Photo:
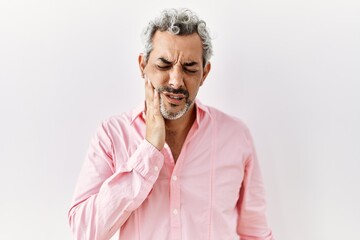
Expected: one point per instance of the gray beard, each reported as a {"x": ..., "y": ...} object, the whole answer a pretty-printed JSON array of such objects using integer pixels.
[{"x": 175, "y": 115}]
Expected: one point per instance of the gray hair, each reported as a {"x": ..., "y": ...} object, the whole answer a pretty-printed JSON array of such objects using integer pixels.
[{"x": 178, "y": 22}]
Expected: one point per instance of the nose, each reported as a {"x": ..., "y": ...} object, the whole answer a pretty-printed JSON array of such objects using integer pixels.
[{"x": 176, "y": 77}]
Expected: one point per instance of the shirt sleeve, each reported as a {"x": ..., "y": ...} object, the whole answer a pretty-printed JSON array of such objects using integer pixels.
[
  {"x": 104, "y": 198},
  {"x": 252, "y": 224}
]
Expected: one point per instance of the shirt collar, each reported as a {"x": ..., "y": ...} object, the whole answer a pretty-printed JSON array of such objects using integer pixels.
[{"x": 201, "y": 110}]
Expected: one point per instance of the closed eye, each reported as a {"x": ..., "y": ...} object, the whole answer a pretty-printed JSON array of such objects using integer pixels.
[
  {"x": 190, "y": 67},
  {"x": 163, "y": 67},
  {"x": 190, "y": 70}
]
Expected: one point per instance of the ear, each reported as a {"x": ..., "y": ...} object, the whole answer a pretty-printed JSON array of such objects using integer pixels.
[
  {"x": 142, "y": 64},
  {"x": 207, "y": 69}
]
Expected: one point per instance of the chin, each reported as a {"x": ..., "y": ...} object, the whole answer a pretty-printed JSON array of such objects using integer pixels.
[{"x": 170, "y": 114}]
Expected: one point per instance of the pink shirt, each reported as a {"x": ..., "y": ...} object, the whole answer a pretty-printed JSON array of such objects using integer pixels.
[{"x": 214, "y": 191}]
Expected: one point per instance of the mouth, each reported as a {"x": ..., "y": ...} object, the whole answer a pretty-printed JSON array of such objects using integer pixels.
[{"x": 174, "y": 99}]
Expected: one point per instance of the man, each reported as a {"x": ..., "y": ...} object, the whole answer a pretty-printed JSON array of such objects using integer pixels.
[{"x": 174, "y": 168}]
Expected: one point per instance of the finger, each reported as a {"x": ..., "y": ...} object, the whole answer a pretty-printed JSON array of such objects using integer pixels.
[
  {"x": 149, "y": 94},
  {"x": 148, "y": 90},
  {"x": 156, "y": 102}
]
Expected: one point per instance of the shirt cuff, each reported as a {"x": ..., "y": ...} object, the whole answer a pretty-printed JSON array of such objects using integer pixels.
[{"x": 147, "y": 160}]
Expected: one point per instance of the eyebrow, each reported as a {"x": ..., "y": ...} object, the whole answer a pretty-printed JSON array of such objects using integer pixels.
[
  {"x": 187, "y": 64},
  {"x": 165, "y": 61}
]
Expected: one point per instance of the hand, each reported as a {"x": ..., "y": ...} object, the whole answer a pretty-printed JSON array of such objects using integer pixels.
[{"x": 155, "y": 124}]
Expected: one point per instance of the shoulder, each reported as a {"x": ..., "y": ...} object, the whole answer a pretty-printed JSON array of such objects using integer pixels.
[
  {"x": 224, "y": 119},
  {"x": 118, "y": 119},
  {"x": 229, "y": 124},
  {"x": 117, "y": 124}
]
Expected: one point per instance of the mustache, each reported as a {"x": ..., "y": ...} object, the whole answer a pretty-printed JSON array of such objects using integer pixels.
[{"x": 173, "y": 90}]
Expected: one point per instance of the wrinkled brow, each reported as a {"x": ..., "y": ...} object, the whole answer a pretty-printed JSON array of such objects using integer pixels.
[{"x": 187, "y": 64}]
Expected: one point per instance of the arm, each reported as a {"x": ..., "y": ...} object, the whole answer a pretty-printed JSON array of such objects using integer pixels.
[
  {"x": 105, "y": 198},
  {"x": 251, "y": 206}
]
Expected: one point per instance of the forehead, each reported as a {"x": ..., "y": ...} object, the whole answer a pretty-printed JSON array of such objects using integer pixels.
[{"x": 173, "y": 47}]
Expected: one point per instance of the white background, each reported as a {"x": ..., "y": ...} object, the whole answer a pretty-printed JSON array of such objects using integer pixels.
[{"x": 289, "y": 69}]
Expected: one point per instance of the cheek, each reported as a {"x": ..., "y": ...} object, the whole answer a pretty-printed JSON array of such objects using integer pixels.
[
  {"x": 157, "y": 77},
  {"x": 159, "y": 80},
  {"x": 193, "y": 89}
]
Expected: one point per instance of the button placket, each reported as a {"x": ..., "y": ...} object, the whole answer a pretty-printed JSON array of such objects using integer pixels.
[
  {"x": 174, "y": 185},
  {"x": 175, "y": 215}
]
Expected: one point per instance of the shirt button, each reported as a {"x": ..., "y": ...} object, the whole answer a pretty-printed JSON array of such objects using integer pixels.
[
  {"x": 174, "y": 178},
  {"x": 156, "y": 168},
  {"x": 175, "y": 211}
]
